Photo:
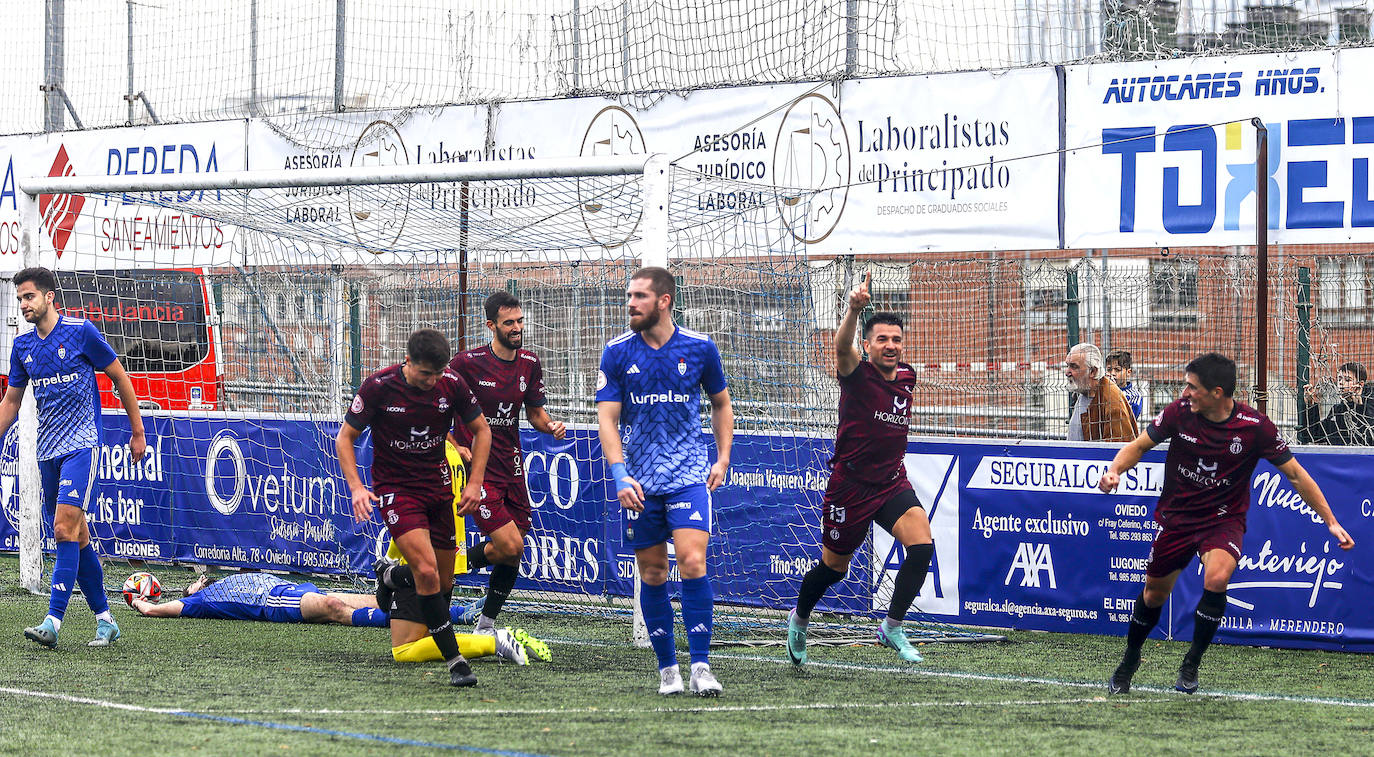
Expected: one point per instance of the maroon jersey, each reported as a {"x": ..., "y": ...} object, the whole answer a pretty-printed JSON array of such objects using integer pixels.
[
  {"x": 502, "y": 387},
  {"x": 408, "y": 429},
  {"x": 1208, "y": 468},
  {"x": 875, "y": 413}
]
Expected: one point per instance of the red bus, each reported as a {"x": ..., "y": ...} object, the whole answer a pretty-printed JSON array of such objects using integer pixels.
[{"x": 158, "y": 322}]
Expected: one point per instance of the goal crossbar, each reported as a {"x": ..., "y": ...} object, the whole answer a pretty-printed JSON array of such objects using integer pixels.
[{"x": 324, "y": 177}]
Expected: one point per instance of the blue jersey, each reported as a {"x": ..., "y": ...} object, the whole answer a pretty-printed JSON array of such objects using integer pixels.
[
  {"x": 660, "y": 395},
  {"x": 62, "y": 369},
  {"x": 1134, "y": 397},
  {"x": 241, "y": 596}
]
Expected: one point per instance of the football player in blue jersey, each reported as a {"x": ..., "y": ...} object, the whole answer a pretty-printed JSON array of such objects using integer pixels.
[
  {"x": 271, "y": 599},
  {"x": 647, "y": 399},
  {"x": 59, "y": 358}
]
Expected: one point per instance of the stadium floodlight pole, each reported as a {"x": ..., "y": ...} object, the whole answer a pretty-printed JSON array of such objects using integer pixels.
[
  {"x": 30, "y": 481},
  {"x": 1261, "y": 265}
]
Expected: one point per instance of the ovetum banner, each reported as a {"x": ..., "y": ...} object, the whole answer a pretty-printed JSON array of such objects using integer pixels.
[{"x": 1023, "y": 538}]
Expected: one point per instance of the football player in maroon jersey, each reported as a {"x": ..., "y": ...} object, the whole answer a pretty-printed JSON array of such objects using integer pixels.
[
  {"x": 505, "y": 377},
  {"x": 1214, "y": 444},
  {"x": 868, "y": 480},
  {"x": 411, "y": 408}
]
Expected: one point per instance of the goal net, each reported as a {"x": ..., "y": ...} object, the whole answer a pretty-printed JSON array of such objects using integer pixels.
[{"x": 249, "y": 307}]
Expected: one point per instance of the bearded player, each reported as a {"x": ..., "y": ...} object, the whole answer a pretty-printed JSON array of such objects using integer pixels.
[{"x": 504, "y": 377}]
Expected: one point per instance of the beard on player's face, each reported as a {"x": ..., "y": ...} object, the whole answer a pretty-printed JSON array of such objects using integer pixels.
[
  {"x": 511, "y": 340},
  {"x": 640, "y": 322}
]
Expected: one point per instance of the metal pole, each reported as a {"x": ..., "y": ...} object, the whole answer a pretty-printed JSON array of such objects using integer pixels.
[
  {"x": 625, "y": 48},
  {"x": 851, "y": 37},
  {"x": 1261, "y": 265},
  {"x": 355, "y": 334},
  {"x": 577, "y": 45},
  {"x": 253, "y": 59},
  {"x": 340, "y": 18},
  {"x": 54, "y": 64},
  {"x": 131, "y": 96},
  {"x": 1304, "y": 344},
  {"x": 1071, "y": 306}
]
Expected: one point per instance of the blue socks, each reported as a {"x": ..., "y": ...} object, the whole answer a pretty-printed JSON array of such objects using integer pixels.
[
  {"x": 370, "y": 617},
  {"x": 697, "y": 606},
  {"x": 658, "y": 618},
  {"x": 91, "y": 577},
  {"x": 63, "y": 578}
]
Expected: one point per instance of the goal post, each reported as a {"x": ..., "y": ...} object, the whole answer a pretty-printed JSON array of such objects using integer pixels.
[{"x": 288, "y": 287}]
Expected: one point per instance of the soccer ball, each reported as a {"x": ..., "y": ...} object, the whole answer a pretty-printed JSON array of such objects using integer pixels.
[{"x": 143, "y": 586}]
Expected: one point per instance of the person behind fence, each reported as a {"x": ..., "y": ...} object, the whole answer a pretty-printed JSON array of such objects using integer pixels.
[
  {"x": 1120, "y": 372},
  {"x": 1214, "y": 445},
  {"x": 868, "y": 482},
  {"x": 58, "y": 360},
  {"x": 1351, "y": 420},
  {"x": 1100, "y": 412}
]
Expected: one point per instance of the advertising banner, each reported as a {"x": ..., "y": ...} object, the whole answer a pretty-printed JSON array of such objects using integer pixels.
[
  {"x": 1023, "y": 537},
  {"x": 903, "y": 164},
  {"x": 88, "y": 232},
  {"x": 1166, "y": 150}
]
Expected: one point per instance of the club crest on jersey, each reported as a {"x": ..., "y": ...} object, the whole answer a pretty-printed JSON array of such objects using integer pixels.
[
  {"x": 522, "y": 384},
  {"x": 681, "y": 367},
  {"x": 61, "y": 352},
  {"x": 1236, "y": 446},
  {"x": 357, "y": 405},
  {"x": 443, "y": 404}
]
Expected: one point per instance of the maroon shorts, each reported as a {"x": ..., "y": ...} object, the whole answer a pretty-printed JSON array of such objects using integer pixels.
[
  {"x": 407, "y": 511},
  {"x": 503, "y": 502},
  {"x": 849, "y": 508},
  {"x": 1173, "y": 550}
]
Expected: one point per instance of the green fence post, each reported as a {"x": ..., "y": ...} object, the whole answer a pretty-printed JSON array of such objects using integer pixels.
[
  {"x": 1071, "y": 306},
  {"x": 355, "y": 335},
  {"x": 1304, "y": 342}
]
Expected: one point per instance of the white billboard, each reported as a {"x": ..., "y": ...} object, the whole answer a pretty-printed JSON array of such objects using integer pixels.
[
  {"x": 1166, "y": 150},
  {"x": 124, "y": 230}
]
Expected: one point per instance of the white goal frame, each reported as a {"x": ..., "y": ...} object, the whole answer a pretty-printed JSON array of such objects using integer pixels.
[{"x": 654, "y": 233}]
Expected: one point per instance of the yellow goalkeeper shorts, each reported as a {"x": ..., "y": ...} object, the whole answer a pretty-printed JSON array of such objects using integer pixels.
[{"x": 460, "y": 479}]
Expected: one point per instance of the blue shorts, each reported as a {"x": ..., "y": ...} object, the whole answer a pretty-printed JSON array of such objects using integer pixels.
[
  {"x": 67, "y": 479},
  {"x": 665, "y": 513},
  {"x": 283, "y": 604}
]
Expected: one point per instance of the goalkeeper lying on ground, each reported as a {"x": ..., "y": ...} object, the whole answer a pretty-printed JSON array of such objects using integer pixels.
[{"x": 266, "y": 597}]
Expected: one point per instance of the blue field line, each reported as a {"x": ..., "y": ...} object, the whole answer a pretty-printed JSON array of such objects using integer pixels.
[
  {"x": 261, "y": 723},
  {"x": 351, "y": 734}
]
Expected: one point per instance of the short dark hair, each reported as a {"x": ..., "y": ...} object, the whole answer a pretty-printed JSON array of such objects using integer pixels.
[
  {"x": 498, "y": 300},
  {"x": 43, "y": 279},
  {"x": 1120, "y": 357},
  {"x": 1213, "y": 370},
  {"x": 1355, "y": 368},
  {"x": 660, "y": 280},
  {"x": 428, "y": 346},
  {"x": 186, "y": 592},
  {"x": 883, "y": 317}
]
